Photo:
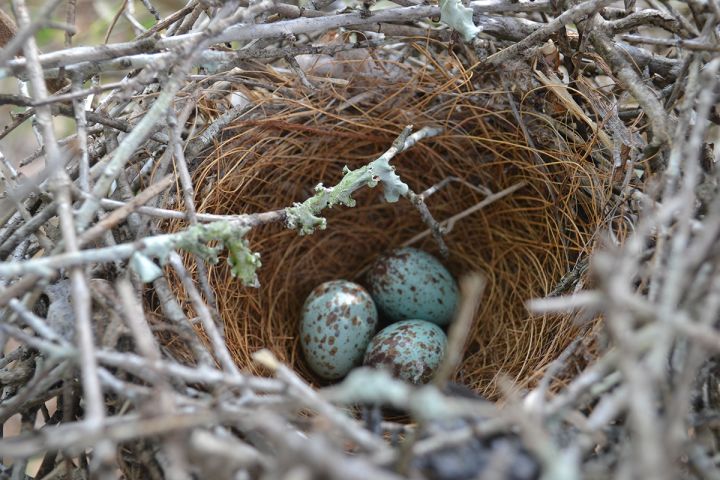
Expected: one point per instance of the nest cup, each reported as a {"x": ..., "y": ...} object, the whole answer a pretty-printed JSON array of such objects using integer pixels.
[{"x": 525, "y": 242}]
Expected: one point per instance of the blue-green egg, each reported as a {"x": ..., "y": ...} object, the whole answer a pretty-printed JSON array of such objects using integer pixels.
[
  {"x": 410, "y": 283},
  {"x": 411, "y": 350},
  {"x": 338, "y": 319}
]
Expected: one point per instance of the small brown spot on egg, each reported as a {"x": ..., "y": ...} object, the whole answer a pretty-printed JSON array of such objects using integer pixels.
[
  {"x": 380, "y": 268},
  {"x": 374, "y": 358}
]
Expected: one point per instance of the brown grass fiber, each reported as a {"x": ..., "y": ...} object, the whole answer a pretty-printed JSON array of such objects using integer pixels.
[{"x": 524, "y": 243}]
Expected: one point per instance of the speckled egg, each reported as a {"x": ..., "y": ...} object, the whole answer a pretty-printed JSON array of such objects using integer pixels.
[
  {"x": 409, "y": 283},
  {"x": 412, "y": 350},
  {"x": 338, "y": 320}
]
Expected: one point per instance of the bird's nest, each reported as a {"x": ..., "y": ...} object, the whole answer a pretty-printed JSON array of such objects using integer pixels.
[
  {"x": 522, "y": 203},
  {"x": 569, "y": 148}
]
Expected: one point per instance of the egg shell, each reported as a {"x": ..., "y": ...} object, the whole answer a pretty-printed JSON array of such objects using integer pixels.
[
  {"x": 338, "y": 319},
  {"x": 410, "y": 283},
  {"x": 411, "y": 350}
]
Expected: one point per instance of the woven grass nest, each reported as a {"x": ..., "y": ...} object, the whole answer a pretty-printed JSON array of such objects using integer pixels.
[{"x": 526, "y": 243}]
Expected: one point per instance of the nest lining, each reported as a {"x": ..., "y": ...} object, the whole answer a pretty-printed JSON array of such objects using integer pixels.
[{"x": 525, "y": 242}]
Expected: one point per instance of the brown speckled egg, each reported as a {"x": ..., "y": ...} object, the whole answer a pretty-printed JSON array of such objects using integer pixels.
[
  {"x": 411, "y": 350},
  {"x": 410, "y": 283},
  {"x": 338, "y": 319}
]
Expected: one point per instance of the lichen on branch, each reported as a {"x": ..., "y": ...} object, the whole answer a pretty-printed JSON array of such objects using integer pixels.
[
  {"x": 243, "y": 261},
  {"x": 198, "y": 239},
  {"x": 456, "y": 15},
  {"x": 204, "y": 240},
  {"x": 305, "y": 216}
]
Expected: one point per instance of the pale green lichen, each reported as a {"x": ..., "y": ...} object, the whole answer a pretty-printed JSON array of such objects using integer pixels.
[
  {"x": 146, "y": 269},
  {"x": 243, "y": 262},
  {"x": 393, "y": 187},
  {"x": 301, "y": 217},
  {"x": 159, "y": 246},
  {"x": 369, "y": 386},
  {"x": 195, "y": 239},
  {"x": 231, "y": 236},
  {"x": 378, "y": 387},
  {"x": 305, "y": 216},
  {"x": 456, "y": 15}
]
